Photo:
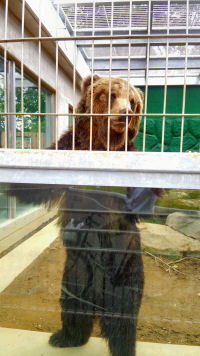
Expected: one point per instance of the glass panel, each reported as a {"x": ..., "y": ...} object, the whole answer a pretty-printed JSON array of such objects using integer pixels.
[
  {"x": 115, "y": 238},
  {"x": 31, "y": 122},
  {"x": 2, "y": 121}
]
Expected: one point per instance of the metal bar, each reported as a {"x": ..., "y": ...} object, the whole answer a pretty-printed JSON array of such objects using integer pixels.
[
  {"x": 5, "y": 76},
  {"x": 110, "y": 73},
  {"x": 22, "y": 73},
  {"x": 147, "y": 75},
  {"x": 109, "y": 37},
  {"x": 110, "y": 211},
  {"x": 167, "y": 170},
  {"x": 92, "y": 74},
  {"x": 128, "y": 79},
  {"x": 107, "y": 231},
  {"x": 56, "y": 100},
  {"x": 39, "y": 77},
  {"x": 138, "y": 43},
  {"x": 185, "y": 78},
  {"x": 165, "y": 86},
  {"x": 74, "y": 81},
  {"x": 116, "y": 1},
  {"x": 96, "y": 114},
  {"x": 11, "y": 120}
]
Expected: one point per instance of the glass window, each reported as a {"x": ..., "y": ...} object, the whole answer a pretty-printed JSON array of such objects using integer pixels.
[
  {"x": 2, "y": 123},
  {"x": 8, "y": 207},
  {"x": 116, "y": 238},
  {"x": 31, "y": 106}
]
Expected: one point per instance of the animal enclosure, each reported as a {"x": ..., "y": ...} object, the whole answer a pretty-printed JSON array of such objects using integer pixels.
[{"x": 95, "y": 97}]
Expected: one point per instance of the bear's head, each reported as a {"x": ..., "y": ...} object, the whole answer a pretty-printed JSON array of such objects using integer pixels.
[{"x": 124, "y": 98}]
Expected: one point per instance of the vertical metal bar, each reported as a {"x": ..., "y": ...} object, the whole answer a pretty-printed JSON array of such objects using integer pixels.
[
  {"x": 185, "y": 76},
  {"x": 110, "y": 72},
  {"x": 92, "y": 74},
  {"x": 128, "y": 79},
  {"x": 166, "y": 76},
  {"x": 5, "y": 77},
  {"x": 56, "y": 99},
  {"x": 147, "y": 76},
  {"x": 39, "y": 77},
  {"x": 11, "y": 105},
  {"x": 74, "y": 79},
  {"x": 22, "y": 73}
]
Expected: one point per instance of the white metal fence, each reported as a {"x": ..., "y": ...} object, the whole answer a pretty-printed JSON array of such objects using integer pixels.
[{"x": 144, "y": 42}]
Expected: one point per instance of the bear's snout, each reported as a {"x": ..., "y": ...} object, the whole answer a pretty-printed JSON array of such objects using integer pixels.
[
  {"x": 124, "y": 113},
  {"x": 120, "y": 121}
]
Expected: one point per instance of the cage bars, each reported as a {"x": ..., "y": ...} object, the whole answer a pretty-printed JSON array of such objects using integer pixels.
[
  {"x": 128, "y": 79},
  {"x": 92, "y": 79},
  {"x": 94, "y": 41},
  {"x": 165, "y": 86},
  {"x": 22, "y": 73},
  {"x": 39, "y": 76},
  {"x": 147, "y": 75},
  {"x": 185, "y": 77},
  {"x": 5, "y": 77},
  {"x": 110, "y": 73}
]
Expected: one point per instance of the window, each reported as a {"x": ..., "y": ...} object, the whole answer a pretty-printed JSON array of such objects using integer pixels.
[
  {"x": 8, "y": 207},
  {"x": 31, "y": 122}
]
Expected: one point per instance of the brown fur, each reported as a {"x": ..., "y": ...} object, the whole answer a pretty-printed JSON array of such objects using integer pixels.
[{"x": 121, "y": 103}]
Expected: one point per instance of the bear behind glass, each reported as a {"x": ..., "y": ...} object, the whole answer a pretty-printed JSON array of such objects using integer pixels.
[{"x": 103, "y": 274}]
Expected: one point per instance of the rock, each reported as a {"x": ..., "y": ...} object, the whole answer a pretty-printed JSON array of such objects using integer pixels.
[
  {"x": 163, "y": 239},
  {"x": 185, "y": 223}
]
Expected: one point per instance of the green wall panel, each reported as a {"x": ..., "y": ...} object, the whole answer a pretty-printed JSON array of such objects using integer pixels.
[{"x": 191, "y": 133}]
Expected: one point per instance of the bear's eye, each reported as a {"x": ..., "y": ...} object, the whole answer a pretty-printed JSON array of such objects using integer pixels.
[
  {"x": 132, "y": 102},
  {"x": 113, "y": 97},
  {"x": 102, "y": 97}
]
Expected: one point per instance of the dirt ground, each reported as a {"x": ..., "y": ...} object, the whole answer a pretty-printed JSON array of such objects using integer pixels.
[{"x": 170, "y": 311}]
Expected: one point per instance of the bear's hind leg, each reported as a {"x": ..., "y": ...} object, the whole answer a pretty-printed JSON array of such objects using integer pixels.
[
  {"x": 121, "y": 336},
  {"x": 75, "y": 331}
]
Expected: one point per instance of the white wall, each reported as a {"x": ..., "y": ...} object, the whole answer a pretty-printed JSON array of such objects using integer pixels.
[{"x": 54, "y": 27}]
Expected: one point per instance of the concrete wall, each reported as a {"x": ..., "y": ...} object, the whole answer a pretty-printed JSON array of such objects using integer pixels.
[{"x": 48, "y": 53}]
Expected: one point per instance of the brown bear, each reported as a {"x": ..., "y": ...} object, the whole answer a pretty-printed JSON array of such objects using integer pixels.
[
  {"x": 124, "y": 98},
  {"x": 103, "y": 274}
]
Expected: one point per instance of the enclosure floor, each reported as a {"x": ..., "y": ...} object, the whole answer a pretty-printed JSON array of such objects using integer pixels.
[{"x": 22, "y": 343}]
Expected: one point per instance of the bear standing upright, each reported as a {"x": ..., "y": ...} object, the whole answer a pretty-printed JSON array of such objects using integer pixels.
[{"x": 103, "y": 274}]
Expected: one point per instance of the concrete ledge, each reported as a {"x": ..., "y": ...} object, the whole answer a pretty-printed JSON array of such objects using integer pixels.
[
  {"x": 12, "y": 264},
  {"x": 14, "y": 230},
  {"x": 32, "y": 343}
]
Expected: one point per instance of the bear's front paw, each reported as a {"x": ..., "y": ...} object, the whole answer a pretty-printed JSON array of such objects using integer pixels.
[{"x": 59, "y": 339}]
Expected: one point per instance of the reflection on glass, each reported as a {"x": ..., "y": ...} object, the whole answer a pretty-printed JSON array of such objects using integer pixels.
[
  {"x": 2, "y": 122},
  {"x": 31, "y": 122},
  {"x": 111, "y": 236}
]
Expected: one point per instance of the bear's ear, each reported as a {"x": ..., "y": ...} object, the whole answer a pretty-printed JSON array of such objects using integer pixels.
[
  {"x": 139, "y": 106},
  {"x": 140, "y": 92},
  {"x": 87, "y": 81}
]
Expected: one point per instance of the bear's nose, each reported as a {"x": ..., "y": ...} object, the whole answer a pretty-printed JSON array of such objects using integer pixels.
[{"x": 123, "y": 112}]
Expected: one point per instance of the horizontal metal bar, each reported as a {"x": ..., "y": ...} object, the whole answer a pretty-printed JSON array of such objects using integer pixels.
[
  {"x": 138, "y": 42},
  {"x": 101, "y": 37},
  {"x": 154, "y": 63},
  {"x": 108, "y": 250},
  {"x": 96, "y": 114},
  {"x": 61, "y": 2},
  {"x": 108, "y": 231},
  {"x": 139, "y": 169}
]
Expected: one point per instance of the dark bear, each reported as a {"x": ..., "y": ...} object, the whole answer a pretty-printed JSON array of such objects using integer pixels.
[{"x": 103, "y": 274}]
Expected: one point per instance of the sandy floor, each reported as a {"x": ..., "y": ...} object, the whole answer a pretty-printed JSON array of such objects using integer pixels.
[{"x": 170, "y": 311}]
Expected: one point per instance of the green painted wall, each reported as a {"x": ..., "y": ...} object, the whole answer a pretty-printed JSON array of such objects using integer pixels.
[{"x": 191, "y": 137}]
